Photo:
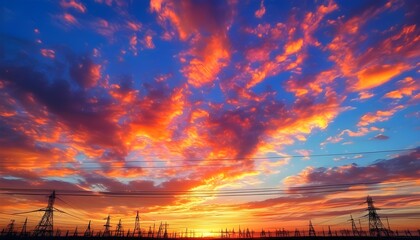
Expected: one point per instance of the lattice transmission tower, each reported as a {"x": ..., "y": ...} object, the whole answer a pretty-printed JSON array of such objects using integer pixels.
[
  {"x": 88, "y": 232},
  {"x": 312, "y": 232},
  {"x": 45, "y": 227},
  {"x": 23, "y": 232},
  {"x": 137, "y": 229},
  {"x": 376, "y": 228},
  {"x": 107, "y": 232},
  {"x": 354, "y": 229}
]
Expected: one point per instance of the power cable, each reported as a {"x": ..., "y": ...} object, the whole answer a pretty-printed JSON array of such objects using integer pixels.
[
  {"x": 229, "y": 159},
  {"x": 166, "y": 194}
]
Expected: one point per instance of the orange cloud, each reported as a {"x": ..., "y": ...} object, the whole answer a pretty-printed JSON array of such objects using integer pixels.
[
  {"x": 379, "y": 63},
  {"x": 312, "y": 85},
  {"x": 377, "y": 75},
  {"x": 378, "y": 116},
  {"x": 312, "y": 20},
  {"x": 267, "y": 69},
  {"x": 205, "y": 65},
  {"x": 365, "y": 95},
  {"x": 408, "y": 86},
  {"x": 209, "y": 54},
  {"x": 293, "y": 47},
  {"x": 156, "y": 115}
]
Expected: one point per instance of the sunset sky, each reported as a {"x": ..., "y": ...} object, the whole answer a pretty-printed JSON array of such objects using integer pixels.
[{"x": 210, "y": 114}]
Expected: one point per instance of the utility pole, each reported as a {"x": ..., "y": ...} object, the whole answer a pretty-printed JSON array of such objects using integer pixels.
[
  {"x": 45, "y": 226},
  {"x": 107, "y": 225},
  {"x": 376, "y": 228}
]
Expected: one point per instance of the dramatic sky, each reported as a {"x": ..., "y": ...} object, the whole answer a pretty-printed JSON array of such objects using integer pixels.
[{"x": 212, "y": 114}]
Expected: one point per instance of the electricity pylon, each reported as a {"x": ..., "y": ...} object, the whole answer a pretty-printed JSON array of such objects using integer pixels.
[
  {"x": 88, "y": 232},
  {"x": 376, "y": 228},
  {"x": 45, "y": 226},
  {"x": 137, "y": 229},
  {"x": 23, "y": 231},
  {"x": 119, "y": 232},
  {"x": 353, "y": 227},
  {"x": 107, "y": 232},
  {"x": 10, "y": 229},
  {"x": 76, "y": 233},
  {"x": 311, "y": 229}
]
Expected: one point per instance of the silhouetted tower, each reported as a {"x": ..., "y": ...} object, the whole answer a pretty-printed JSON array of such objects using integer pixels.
[
  {"x": 262, "y": 234},
  {"x": 159, "y": 233},
  {"x": 119, "y": 232},
  {"x": 297, "y": 233},
  {"x": 311, "y": 229},
  {"x": 329, "y": 232},
  {"x": 45, "y": 226},
  {"x": 390, "y": 232},
  {"x": 165, "y": 233},
  {"x": 376, "y": 228},
  {"x": 107, "y": 232},
  {"x": 23, "y": 232},
  {"x": 353, "y": 227},
  {"x": 137, "y": 229},
  {"x": 10, "y": 229},
  {"x": 76, "y": 233},
  {"x": 88, "y": 232},
  {"x": 149, "y": 233}
]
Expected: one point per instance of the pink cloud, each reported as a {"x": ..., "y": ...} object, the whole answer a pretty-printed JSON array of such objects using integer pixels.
[
  {"x": 261, "y": 11},
  {"x": 148, "y": 42},
  {"x": 73, "y": 4},
  {"x": 69, "y": 18},
  {"x": 85, "y": 72},
  {"x": 48, "y": 53},
  {"x": 400, "y": 168}
]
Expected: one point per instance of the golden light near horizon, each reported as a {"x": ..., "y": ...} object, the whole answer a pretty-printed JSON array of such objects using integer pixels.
[{"x": 209, "y": 116}]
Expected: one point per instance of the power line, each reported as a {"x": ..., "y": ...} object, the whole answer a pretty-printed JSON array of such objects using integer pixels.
[
  {"x": 214, "y": 159},
  {"x": 230, "y": 193},
  {"x": 264, "y": 189}
]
